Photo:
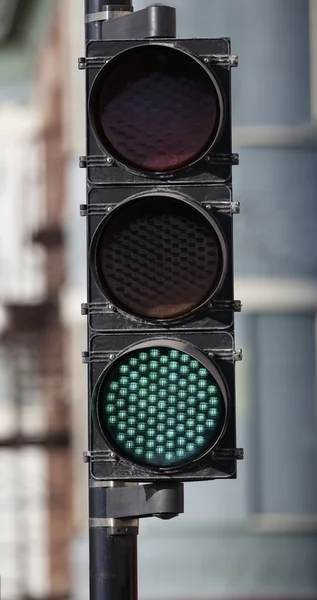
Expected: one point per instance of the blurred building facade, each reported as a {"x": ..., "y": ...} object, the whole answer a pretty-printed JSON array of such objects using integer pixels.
[{"x": 256, "y": 536}]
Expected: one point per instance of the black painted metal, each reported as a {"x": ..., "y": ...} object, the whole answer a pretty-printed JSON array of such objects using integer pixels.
[
  {"x": 154, "y": 21},
  {"x": 113, "y": 565}
]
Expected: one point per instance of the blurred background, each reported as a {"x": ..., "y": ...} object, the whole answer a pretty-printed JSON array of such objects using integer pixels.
[{"x": 251, "y": 538}]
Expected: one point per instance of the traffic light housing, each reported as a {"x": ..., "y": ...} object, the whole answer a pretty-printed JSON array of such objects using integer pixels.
[{"x": 161, "y": 305}]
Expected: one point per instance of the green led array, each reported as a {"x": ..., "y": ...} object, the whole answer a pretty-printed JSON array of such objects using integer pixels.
[{"x": 161, "y": 407}]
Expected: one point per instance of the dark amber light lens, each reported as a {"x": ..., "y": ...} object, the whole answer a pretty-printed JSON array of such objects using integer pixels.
[
  {"x": 159, "y": 257},
  {"x": 156, "y": 108}
]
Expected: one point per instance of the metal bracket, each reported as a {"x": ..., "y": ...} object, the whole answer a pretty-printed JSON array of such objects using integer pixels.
[{"x": 159, "y": 499}]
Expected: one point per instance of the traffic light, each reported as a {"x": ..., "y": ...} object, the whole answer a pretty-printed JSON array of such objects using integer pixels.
[{"x": 160, "y": 307}]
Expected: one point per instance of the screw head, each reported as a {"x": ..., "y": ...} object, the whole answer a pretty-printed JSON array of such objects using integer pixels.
[{"x": 111, "y": 356}]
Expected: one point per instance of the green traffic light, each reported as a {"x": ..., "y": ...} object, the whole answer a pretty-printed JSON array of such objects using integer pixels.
[{"x": 163, "y": 421}]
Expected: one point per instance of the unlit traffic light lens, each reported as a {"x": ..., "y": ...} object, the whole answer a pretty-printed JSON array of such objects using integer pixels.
[
  {"x": 161, "y": 406},
  {"x": 159, "y": 257},
  {"x": 156, "y": 108}
]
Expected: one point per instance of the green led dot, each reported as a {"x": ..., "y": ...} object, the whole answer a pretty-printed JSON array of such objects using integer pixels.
[
  {"x": 170, "y": 422},
  {"x": 180, "y": 428},
  {"x": 121, "y": 403},
  {"x": 161, "y": 416},
  {"x": 190, "y": 447},
  {"x": 182, "y": 395},
  {"x": 150, "y": 455},
  {"x": 138, "y": 451},
  {"x": 132, "y": 409},
  {"x": 170, "y": 445},
  {"x": 185, "y": 358},
  {"x": 153, "y": 376},
  {"x": 132, "y": 421},
  {"x": 140, "y": 439},
  {"x": 152, "y": 388},
  {"x": 164, "y": 359},
  {"x": 190, "y": 434},
  {"x": 143, "y": 369},
  {"x": 202, "y": 384},
  {"x": 172, "y": 410},
  {"x": 182, "y": 405},
  {"x": 121, "y": 437},
  {"x": 151, "y": 433},
  {"x": 124, "y": 369},
  {"x": 191, "y": 401},
  {"x": 191, "y": 411},
  {"x": 143, "y": 381},
  {"x": 200, "y": 417},
  {"x": 210, "y": 424},
  {"x": 110, "y": 408},
  {"x": 163, "y": 382},
  {"x": 181, "y": 417},
  {"x": 203, "y": 373},
  {"x": 180, "y": 453},
  {"x": 143, "y": 393},
  {"x": 122, "y": 426},
  {"x": 170, "y": 433},
  {"x": 169, "y": 456},
  {"x": 200, "y": 440},
  {"x": 122, "y": 414},
  {"x": 142, "y": 426},
  {"x": 154, "y": 353},
  {"x": 129, "y": 445},
  {"x": 194, "y": 365},
  {"x": 151, "y": 410},
  {"x": 192, "y": 389},
  {"x": 213, "y": 412},
  {"x": 212, "y": 389},
  {"x": 142, "y": 404},
  {"x": 131, "y": 431},
  {"x": 203, "y": 406},
  {"x": 161, "y": 405},
  {"x": 111, "y": 397},
  {"x": 160, "y": 450},
  {"x": 172, "y": 400},
  {"x": 162, "y": 394},
  {"x": 172, "y": 388},
  {"x": 112, "y": 420},
  {"x": 151, "y": 421},
  {"x": 200, "y": 428},
  {"x": 143, "y": 356},
  {"x": 142, "y": 414},
  {"x": 133, "y": 362},
  {"x": 174, "y": 354},
  {"x": 173, "y": 365},
  {"x": 190, "y": 423},
  {"x": 134, "y": 375},
  {"x": 160, "y": 438},
  {"x": 192, "y": 378},
  {"x": 114, "y": 386},
  {"x": 164, "y": 371},
  {"x": 182, "y": 383},
  {"x": 124, "y": 392},
  {"x": 173, "y": 377},
  {"x": 160, "y": 427},
  {"x": 133, "y": 387},
  {"x": 213, "y": 401},
  {"x": 184, "y": 370},
  {"x": 202, "y": 395},
  {"x": 153, "y": 365},
  {"x": 181, "y": 442},
  {"x": 150, "y": 444}
]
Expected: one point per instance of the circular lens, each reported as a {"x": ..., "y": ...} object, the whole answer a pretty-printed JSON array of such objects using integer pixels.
[
  {"x": 156, "y": 108},
  {"x": 164, "y": 433},
  {"x": 159, "y": 257}
]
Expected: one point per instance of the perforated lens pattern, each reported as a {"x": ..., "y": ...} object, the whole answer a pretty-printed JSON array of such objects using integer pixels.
[
  {"x": 159, "y": 258},
  {"x": 158, "y": 109},
  {"x": 161, "y": 407}
]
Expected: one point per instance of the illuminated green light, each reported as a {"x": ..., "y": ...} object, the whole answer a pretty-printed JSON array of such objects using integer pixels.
[{"x": 160, "y": 407}]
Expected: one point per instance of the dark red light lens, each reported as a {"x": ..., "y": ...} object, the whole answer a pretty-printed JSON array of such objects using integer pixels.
[
  {"x": 156, "y": 108},
  {"x": 159, "y": 257}
]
